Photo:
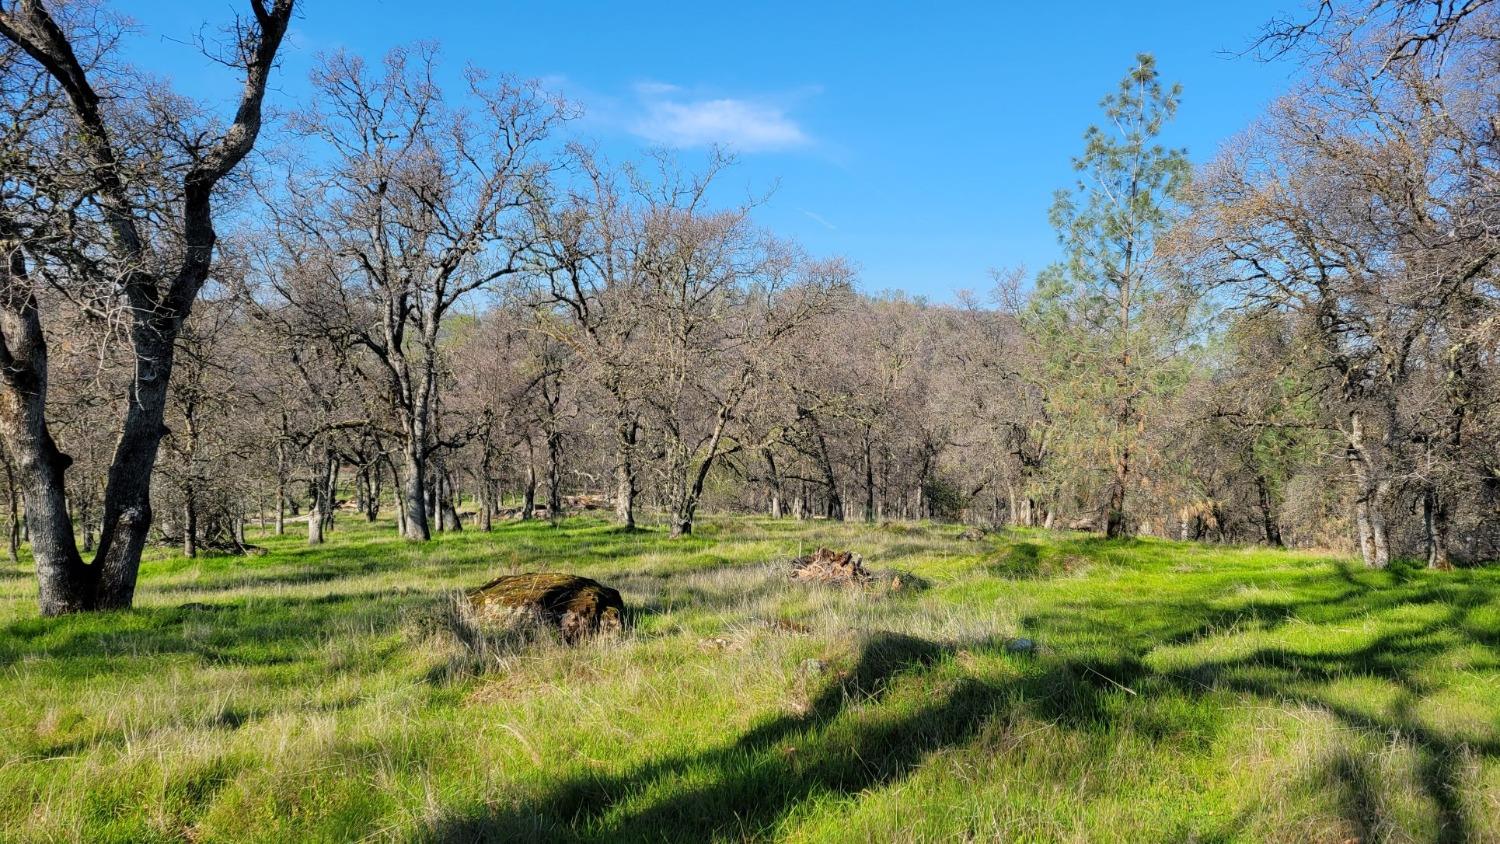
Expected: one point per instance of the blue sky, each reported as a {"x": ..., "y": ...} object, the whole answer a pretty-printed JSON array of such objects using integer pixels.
[{"x": 922, "y": 141}]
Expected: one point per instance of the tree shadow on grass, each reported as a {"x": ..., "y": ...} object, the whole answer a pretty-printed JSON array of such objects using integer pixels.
[
  {"x": 1306, "y": 676},
  {"x": 1101, "y": 678},
  {"x": 760, "y": 777},
  {"x": 838, "y": 747}
]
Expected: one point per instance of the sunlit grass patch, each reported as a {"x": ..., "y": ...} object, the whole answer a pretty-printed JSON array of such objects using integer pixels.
[{"x": 1166, "y": 692}]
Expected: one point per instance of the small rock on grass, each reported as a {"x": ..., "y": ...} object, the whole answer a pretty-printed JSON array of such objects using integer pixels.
[{"x": 1021, "y": 645}]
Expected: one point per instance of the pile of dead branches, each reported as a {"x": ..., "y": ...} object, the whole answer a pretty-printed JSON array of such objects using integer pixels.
[{"x": 843, "y": 568}]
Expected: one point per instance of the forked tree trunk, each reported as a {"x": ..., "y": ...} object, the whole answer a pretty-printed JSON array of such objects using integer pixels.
[
  {"x": 65, "y": 583},
  {"x": 157, "y": 305},
  {"x": 687, "y": 508}
]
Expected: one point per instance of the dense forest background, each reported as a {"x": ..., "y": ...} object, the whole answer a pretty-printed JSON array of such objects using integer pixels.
[{"x": 441, "y": 303}]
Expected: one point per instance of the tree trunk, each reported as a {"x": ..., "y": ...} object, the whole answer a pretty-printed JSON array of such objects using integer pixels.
[
  {"x": 1268, "y": 520},
  {"x": 1114, "y": 523},
  {"x": 281, "y": 482},
  {"x": 834, "y": 505},
  {"x": 65, "y": 583},
  {"x": 414, "y": 495},
  {"x": 324, "y": 488},
  {"x": 13, "y": 534},
  {"x": 359, "y": 489},
  {"x": 314, "y": 525},
  {"x": 625, "y": 482},
  {"x": 528, "y": 493},
  {"x": 437, "y": 514},
  {"x": 447, "y": 502},
  {"x": 1370, "y": 490},
  {"x": 127, "y": 494},
  {"x": 372, "y": 493},
  {"x": 919, "y": 493},
  {"x": 682, "y": 524},
  {"x": 1435, "y": 520},
  {"x": 554, "y": 476},
  {"x": 486, "y": 506},
  {"x": 773, "y": 481},
  {"x": 869, "y": 480},
  {"x": 487, "y": 487},
  {"x": 189, "y": 522}
]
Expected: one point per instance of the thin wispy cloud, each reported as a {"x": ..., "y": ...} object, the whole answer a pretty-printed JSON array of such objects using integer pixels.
[
  {"x": 673, "y": 117},
  {"x": 820, "y": 220}
]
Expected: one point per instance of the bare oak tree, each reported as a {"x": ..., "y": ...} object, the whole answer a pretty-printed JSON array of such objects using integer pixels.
[
  {"x": 108, "y": 201},
  {"x": 423, "y": 203}
]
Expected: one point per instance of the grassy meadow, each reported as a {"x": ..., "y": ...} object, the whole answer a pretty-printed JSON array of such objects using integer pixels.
[{"x": 1168, "y": 692}]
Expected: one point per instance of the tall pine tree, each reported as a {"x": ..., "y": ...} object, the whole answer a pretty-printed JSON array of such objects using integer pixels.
[{"x": 1115, "y": 306}]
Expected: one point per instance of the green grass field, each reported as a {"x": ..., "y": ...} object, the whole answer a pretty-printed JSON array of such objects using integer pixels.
[{"x": 1176, "y": 693}]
